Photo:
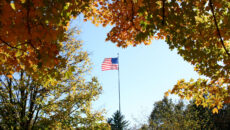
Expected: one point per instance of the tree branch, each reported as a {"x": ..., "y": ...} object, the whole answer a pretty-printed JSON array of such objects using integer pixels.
[
  {"x": 9, "y": 82},
  {"x": 163, "y": 12},
  {"x": 33, "y": 94},
  {"x": 217, "y": 28},
  {"x": 36, "y": 116},
  {"x": 7, "y": 44}
]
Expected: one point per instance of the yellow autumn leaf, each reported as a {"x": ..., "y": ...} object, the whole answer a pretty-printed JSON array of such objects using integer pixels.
[
  {"x": 215, "y": 110},
  {"x": 23, "y": 1},
  {"x": 97, "y": 24},
  {"x": 167, "y": 94},
  {"x": 195, "y": 68},
  {"x": 205, "y": 105},
  {"x": 12, "y": 5},
  {"x": 188, "y": 97}
]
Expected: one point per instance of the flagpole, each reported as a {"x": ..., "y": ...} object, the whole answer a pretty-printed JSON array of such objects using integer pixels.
[{"x": 119, "y": 83}]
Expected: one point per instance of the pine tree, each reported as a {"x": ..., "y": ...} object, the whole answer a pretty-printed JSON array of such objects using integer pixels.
[{"x": 118, "y": 122}]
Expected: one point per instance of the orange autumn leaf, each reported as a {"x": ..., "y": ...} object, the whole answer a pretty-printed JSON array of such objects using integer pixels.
[{"x": 9, "y": 76}]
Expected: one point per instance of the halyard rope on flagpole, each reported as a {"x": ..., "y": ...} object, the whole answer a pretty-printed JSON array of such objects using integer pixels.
[{"x": 119, "y": 83}]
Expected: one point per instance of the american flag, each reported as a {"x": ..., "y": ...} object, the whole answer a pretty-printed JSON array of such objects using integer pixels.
[{"x": 110, "y": 64}]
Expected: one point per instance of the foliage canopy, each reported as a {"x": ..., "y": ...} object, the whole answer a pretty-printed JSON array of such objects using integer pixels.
[
  {"x": 198, "y": 29},
  {"x": 31, "y": 30}
]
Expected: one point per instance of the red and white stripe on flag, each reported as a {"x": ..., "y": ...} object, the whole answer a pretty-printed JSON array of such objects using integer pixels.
[{"x": 108, "y": 65}]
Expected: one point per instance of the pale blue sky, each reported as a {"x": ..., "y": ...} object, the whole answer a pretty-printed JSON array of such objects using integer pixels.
[{"x": 146, "y": 72}]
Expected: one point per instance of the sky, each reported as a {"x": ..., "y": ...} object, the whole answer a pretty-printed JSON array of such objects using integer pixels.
[{"x": 146, "y": 73}]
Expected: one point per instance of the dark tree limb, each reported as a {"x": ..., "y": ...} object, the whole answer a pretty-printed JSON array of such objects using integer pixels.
[
  {"x": 7, "y": 44},
  {"x": 23, "y": 101},
  {"x": 36, "y": 117},
  {"x": 9, "y": 82},
  {"x": 217, "y": 28},
  {"x": 32, "y": 104},
  {"x": 163, "y": 12}
]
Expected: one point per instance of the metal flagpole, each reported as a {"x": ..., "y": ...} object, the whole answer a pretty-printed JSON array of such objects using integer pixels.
[{"x": 119, "y": 83}]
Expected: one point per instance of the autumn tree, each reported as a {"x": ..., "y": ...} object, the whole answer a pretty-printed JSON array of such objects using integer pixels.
[
  {"x": 200, "y": 117},
  {"x": 61, "y": 101},
  {"x": 199, "y": 30},
  {"x": 31, "y": 32},
  {"x": 169, "y": 115}
]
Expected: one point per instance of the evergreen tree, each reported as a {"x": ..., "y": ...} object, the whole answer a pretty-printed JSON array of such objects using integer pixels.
[{"x": 118, "y": 122}]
